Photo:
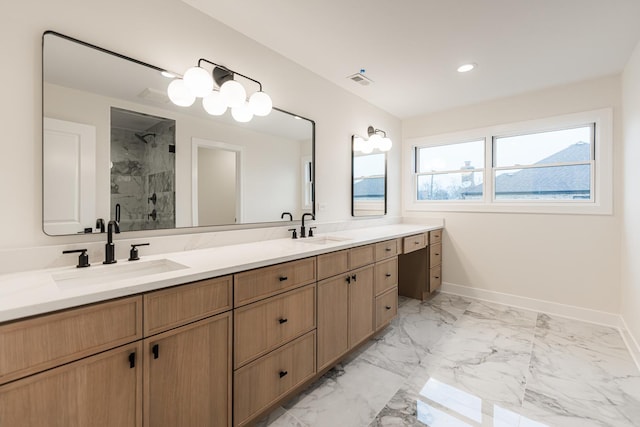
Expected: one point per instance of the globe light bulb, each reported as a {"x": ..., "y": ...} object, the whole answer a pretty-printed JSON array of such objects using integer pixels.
[
  {"x": 367, "y": 147},
  {"x": 179, "y": 94},
  {"x": 358, "y": 143},
  {"x": 242, "y": 113},
  {"x": 233, "y": 94},
  {"x": 260, "y": 104},
  {"x": 374, "y": 141},
  {"x": 385, "y": 144},
  {"x": 213, "y": 104},
  {"x": 199, "y": 81}
]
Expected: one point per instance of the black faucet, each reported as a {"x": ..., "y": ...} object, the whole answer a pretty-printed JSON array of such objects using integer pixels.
[
  {"x": 110, "y": 248},
  {"x": 286, "y": 213},
  {"x": 303, "y": 230},
  {"x": 100, "y": 225}
]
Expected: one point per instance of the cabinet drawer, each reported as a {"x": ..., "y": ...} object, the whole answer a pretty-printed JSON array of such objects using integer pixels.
[
  {"x": 386, "y": 307},
  {"x": 414, "y": 243},
  {"x": 183, "y": 304},
  {"x": 361, "y": 256},
  {"x": 435, "y": 236},
  {"x": 435, "y": 278},
  {"x": 387, "y": 249},
  {"x": 435, "y": 255},
  {"x": 265, "y": 325},
  {"x": 46, "y": 341},
  {"x": 332, "y": 264},
  {"x": 262, "y": 382},
  {"x": 260, "y": 283},
  {"x": 386, "y": 275}
]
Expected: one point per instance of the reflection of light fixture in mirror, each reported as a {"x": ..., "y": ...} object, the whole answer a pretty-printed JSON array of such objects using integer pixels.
[
  {"x": 201, "y": 83},
  {"x": 377, "y": 140}
]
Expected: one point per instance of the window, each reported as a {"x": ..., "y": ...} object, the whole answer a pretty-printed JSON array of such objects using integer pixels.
[
  {"x": 556, "y": 165},
  {"x": 450, "y": 172}
]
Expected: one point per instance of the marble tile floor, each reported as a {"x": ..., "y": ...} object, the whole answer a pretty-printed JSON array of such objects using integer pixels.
[{"x": 454, "y": 361}]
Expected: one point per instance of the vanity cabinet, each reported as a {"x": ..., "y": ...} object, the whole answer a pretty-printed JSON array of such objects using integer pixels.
[
  {"x": 345, "y": 302},
  {"x": 50, "y": 366},
  {"x": 187, "y": 375},
  {"x": 420, "y": 271},
  {"x": 386, "y": 288},
  {"x": 274, "y": 335}
]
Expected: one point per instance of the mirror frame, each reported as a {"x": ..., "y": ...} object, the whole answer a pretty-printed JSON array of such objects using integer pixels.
[
  {"x": 353, "y": 200},
  {"x": 184, "y": 229}
]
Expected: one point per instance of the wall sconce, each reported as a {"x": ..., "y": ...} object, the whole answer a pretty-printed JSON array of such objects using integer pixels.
[
  {"x": 376, "y": 141},
  {"x": 198, "y": 82}
]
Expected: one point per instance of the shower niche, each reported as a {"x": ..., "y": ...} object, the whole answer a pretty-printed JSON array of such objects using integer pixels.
[{"x": 142, "y": 170}]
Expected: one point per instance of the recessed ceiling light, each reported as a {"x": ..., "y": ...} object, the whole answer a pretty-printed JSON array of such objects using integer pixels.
[{"x": 466, "y": 67}]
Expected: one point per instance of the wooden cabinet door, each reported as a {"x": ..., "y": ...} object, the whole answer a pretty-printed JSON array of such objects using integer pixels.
[
  {"x": 102, "y": 390},
  {"x": 361, "y": 305},
  {"x": 333, "y": 319},
  {"x": 188, "y": 375}
]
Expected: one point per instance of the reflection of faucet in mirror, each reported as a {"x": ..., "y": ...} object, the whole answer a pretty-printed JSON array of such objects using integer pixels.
[
  {"x": 153, "y": 215},
  {"x": 110, "y": 248},
  {"x": 303, "y": 231},
  {"x": 286, "y": 213}
]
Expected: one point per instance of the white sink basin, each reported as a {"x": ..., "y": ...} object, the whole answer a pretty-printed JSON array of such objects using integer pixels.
[
  {"x": 101, "y": 274},
  {"x": 323, "y": 240}
]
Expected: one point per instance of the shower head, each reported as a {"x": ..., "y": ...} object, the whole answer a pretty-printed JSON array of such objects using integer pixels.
[{"x": 143, "y": 138}]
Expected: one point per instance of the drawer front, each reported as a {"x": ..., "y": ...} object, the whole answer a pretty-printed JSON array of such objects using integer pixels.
[
  {"x": 435, "y": 236},
  {"x": 387, "y": 249},
  {"x": 265, "y": 325},
  {"x": 361, "y": 256},
  {"x": 264, "y": 381},
  {"x": 435, "y": 255},
  {"x": 435, "y": 278},
  {"x": 332, "y": 264},
  {"x": 260, "y": 283},
  {"x": 177, "y": 306},
  {"x": 46, "y": 341},
  {"x": 386, "y": 307},
  {"x": 414, "y": 243},
  {"x": 386, "y": 275}
]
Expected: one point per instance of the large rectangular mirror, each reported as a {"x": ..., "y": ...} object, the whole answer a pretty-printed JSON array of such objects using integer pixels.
[
  {"x": 368, "y": 180},
  {"x": 115, "y": 147}
]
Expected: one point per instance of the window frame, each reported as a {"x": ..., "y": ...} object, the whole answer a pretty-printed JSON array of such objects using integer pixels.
[{"x": 601, "y": 202}]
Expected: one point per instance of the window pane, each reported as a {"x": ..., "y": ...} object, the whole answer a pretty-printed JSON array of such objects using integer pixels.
[
  {"x": 544, "y": 183},
  {"x": 450, "y": 186},
  {"x": 466, "y": 155},
  {"x": 561, "y": 146}
]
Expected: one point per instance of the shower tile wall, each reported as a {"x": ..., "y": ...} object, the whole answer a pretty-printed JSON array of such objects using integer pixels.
[{"x": 139, "y": 170}]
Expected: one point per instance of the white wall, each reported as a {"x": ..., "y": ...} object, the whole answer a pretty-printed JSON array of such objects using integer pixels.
[
  {"x": 630, "y": 296},
  {"x": 172, "y": 35},
  {"x": 565, "y": 259}
]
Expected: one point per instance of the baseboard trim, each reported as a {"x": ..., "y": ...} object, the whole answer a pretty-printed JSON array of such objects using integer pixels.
[{"x": 570, "y": 311}]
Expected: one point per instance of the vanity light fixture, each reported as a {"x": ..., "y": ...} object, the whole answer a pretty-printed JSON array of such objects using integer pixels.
[
  {"x": 219, "y": 91},
  {"x": 377, "y": 140}
]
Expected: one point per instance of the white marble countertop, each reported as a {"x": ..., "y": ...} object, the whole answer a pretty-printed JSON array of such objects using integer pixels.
[{"x": 35, "y": 292}]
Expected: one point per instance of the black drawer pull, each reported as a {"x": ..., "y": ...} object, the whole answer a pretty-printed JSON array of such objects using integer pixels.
[
  {"x": 387, "y": 249},
  {"x": 283, "y": 373},
  {"x": 156, "y": 351},
  {"x": 388, "y": 307},
  {"x": 388, "y": 275},
  {"x": 417, "y": 243},
  {"x": 283, "y": 278},
  {"x": 437, "y": 254},
  {"x": 437, "y": 277},
  {"x": 354, "y": 277},
  {"x": 283, "y": 320},
  {"x": 349, "y": 279},
  {"x": 132, "y": 360}
]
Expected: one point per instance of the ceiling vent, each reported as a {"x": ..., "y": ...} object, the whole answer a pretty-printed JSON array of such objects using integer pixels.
[{"x": 360, "y": 79}]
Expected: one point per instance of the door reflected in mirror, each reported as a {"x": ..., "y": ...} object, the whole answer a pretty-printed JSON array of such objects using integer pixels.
[
  {"x": 166, "y": 166},
  {"x": 369, "y": 182}
]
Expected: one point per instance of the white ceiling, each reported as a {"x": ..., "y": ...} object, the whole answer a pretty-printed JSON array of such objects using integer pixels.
[{"x": 411, "y": 48}]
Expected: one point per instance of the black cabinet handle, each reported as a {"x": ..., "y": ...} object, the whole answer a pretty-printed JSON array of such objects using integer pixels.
[
  {"x": 283, "y": 320},
  {"x": 354, "y": 277},
  {"x": 283, "y": 373},
  {"x": 156, "y": 351},
  {"x": 388, "y": 275},
  {"x": 283, "y": 278},
  {"x": 437, "y": 277},
  {"x": 388, "y": 307},
  {"x": 417, "y": 243},
  {"x": 387, "y": 249},
  {"x": 132, "y": 360},
  {"x": 349, "y": 279}
]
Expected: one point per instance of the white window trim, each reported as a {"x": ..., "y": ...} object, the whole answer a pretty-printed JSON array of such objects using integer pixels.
[{"x": 602, "y": 185}]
